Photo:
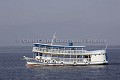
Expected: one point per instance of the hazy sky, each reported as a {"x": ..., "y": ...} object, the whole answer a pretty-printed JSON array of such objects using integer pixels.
[{"x": 72, "y": 19}]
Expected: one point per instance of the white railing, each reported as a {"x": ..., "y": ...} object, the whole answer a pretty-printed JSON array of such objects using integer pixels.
[
  {"x": 75, "y": 59},
  {"x": 37, "y": 49},
  {"x": 57, "y": 59}
]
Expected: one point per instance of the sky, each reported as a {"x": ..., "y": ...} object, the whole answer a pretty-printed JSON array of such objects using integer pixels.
[{"x": 70, "y": 19}]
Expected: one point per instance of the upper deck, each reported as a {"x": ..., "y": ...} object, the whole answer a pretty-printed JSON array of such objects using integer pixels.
[
  {"x": 57, "y": 46},
  {"x": 65, "y": 50}
]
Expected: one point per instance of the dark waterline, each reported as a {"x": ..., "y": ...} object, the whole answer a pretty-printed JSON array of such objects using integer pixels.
[{"x": 12, "y": 67}]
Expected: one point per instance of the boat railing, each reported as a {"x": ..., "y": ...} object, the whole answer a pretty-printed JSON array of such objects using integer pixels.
[
  {"x": 28, "y": 59},
  {"x": 37, "y": 49},
  {"x": 71, "y": 59},
  {"x": 58, "y": 59}
]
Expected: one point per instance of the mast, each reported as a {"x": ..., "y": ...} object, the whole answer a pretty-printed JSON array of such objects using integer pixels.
[{"x": 54, "y": 36}]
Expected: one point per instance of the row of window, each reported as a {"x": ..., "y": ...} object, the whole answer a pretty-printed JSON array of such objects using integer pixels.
[{"x": 64, "y": 56}]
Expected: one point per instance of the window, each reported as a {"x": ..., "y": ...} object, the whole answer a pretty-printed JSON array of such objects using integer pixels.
[
  {"x": 79, "y": 56},
  {"x": 86, "y": 56},
  {"x": 67, "y": 56},
  {"x": 73, "y": 56},
  {"x": 36, "y": 54},
  {"x": 60, "y": 56},
  {"x": 40, "y": 54},
  {"x": 54, "y": 55},
  {"x": 45, "y": 55},
  {"x": 90, "y": 56}
]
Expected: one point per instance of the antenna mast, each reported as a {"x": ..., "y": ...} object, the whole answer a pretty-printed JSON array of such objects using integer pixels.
[
  {"x": 54, "y": 36},
  {"x": 106, "y": 46}
]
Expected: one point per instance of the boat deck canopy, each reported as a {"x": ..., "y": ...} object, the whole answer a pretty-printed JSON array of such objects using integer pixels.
[{"x": 56, "y": 46}]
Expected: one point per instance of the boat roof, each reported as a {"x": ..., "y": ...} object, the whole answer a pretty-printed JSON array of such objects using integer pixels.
[{"x": 57, "y": 46}]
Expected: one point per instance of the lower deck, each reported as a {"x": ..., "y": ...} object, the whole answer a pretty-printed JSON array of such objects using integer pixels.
[{"x": 62, "y": 61}]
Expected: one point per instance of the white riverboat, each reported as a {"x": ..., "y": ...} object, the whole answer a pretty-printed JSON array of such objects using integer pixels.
[{"x": 47, "y": 54}]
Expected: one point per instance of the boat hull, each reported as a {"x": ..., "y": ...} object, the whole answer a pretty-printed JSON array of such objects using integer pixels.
[{"x": 65, "y": 64}]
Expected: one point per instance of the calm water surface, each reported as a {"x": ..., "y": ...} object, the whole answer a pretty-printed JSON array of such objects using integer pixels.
[{"x": 12, "y": 67}]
